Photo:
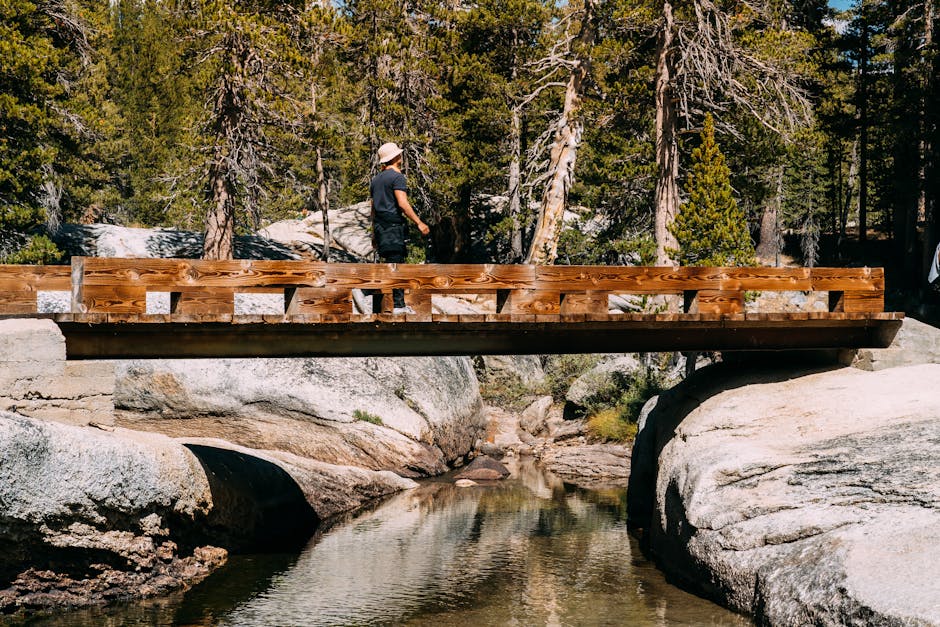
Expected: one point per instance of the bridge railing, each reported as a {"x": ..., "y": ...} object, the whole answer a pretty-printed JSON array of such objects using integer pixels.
[{"x": 315, "y": 291}]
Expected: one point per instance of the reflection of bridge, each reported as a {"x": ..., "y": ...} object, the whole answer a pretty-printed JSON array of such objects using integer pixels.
[{"x": 534, "y": 309}]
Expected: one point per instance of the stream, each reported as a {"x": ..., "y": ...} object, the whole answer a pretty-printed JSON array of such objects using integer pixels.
[{"x": 531, "y": 550}]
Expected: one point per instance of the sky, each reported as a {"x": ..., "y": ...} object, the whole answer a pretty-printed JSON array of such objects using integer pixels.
[{"x": 840, "y": 4}]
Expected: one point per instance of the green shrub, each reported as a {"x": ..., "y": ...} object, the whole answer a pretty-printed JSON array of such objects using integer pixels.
[
  {"x": 562, "y": 370},
  {"x": 366, "y": 417},
  {"x": 508, "y": 391},
  {"x": 609, "y": 425}
]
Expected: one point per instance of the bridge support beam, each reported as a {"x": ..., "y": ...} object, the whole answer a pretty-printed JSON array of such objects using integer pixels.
[{"x": 123, "y": 340}]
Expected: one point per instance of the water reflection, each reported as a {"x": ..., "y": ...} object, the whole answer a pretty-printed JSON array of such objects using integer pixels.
[{"x": 527, "y": 551}]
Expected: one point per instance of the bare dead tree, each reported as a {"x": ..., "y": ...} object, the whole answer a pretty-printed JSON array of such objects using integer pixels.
[
  {"x": 568, "y": 129},
  {"x": 703, "y": 66}
]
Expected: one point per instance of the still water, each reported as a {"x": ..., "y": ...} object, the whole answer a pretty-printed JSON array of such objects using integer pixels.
[{"x": 531, "y": 550}]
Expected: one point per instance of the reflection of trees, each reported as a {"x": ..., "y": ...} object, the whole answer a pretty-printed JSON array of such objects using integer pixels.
[{"x": 532, "y": 550}]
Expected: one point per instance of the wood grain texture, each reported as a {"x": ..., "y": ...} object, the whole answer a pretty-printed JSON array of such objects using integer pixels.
[
  {"x": 531, "y": 302},
  {"x": 114, "y": 299},
  {"x": 585, "y": 302},
  {"x": 318, "y": 300},
  {"x": 714, "y": 301},
  {"x": 18, "y": 302},
  {"x": 203, "y": 301},
  {"x": 34, "y": 278}
]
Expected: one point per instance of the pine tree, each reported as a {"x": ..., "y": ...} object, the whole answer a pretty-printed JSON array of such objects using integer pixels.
[
  {"x": 710, "y": 228},
  {"x": 30, "y": 58}
]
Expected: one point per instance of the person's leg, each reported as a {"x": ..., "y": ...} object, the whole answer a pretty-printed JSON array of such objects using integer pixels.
[{"x": 398, "y": 296}]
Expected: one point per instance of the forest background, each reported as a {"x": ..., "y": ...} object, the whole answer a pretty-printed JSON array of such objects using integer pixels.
[{"x": 811, "y": 131}]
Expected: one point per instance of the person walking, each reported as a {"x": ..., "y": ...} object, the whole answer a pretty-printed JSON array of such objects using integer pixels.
[{"x": 390, "y": 207}]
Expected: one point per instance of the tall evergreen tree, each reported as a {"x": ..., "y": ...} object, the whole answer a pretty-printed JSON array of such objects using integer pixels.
[
  {"x": 34, "y": 42},
  {"x": 710, "y": 228}
]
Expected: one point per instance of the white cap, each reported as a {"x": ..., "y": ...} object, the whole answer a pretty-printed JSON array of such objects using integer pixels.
[{"x": 388, "y": 151}]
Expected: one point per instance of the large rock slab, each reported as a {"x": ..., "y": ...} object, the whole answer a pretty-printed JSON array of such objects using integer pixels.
[
  {"x": 412, "y": 416},
  {"x": 327, "y": 488},
  {"x": 915, "y": 343},
  {"x": 88, "y": 515},
  {"x": 588, "y": 463},
  {"x": 37, "y": 381},
  {"x": 800, "y": 498}
]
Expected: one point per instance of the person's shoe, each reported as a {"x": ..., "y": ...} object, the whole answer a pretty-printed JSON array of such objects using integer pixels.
[{"x": 403, "y": 310}]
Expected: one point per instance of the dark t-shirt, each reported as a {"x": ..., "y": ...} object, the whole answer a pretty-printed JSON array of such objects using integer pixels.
[{"x": 382, "y": 191}]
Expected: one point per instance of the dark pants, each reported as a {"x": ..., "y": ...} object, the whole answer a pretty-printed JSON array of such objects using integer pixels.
[{"x": 398, "y": 296}]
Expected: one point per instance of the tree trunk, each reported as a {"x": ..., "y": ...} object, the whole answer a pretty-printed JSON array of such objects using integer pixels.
[
  {"x": 931, "y": 132},
  {"x": 323, "y": 201},
  {"x": 849, "y": 193},
  {"x": 220, "y": 223},
  {"x": 544, "y": 246},
  {"x": 515, "y": 184},
  {"x": 667, "y": 151},
  {"x": 768, "y": 250},
  {"x": 863, "y": 132}
]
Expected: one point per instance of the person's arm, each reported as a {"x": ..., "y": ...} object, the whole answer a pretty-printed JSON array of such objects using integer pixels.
[{"x": 402, "y": 198}]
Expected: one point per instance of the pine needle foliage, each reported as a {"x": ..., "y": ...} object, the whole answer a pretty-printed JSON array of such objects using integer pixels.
[{"x": 711, "y": 229}]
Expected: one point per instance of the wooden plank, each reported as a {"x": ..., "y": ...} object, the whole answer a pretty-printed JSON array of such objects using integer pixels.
[
  {"x": 431, "y": 277},
  {"x": 181, "y": 273},
  {"x": 714, "y": 301},
  {"x": 445, "y": 318},
  {"x": 203, "y": 301},
  {"x": 114, "y": 299},
  {"x": 420, "y": 302},
  {"x": 848, "y": 279},
  {"x": 498, "y": 317},
  {"x": 627, "y": 279},
  {"x": 471, "y": 318},
  {"x": 766, "y": 279},
  {"x": 863, "y": 301},
  {"x": 532, "y": 302},
  {"x": 16, "y": 277},
  {"x": 585, "y": 302},
  {"x": 302, "y": 318},
  {"x": 18, "y": 302},
  {"x": 318, "y": 300}
]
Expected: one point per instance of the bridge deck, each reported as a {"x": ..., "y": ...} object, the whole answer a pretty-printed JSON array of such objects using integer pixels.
[
  {"x": 127, "y": 337},
  {"x": 536, "y": 309}
]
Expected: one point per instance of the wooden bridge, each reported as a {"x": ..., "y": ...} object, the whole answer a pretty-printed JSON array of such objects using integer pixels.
[{"x": 532, "y": 309}]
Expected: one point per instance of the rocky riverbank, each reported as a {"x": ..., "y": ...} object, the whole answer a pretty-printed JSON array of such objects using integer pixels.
[
  {"x": 797, "y": 497},
  {"x": 143, "y": 484}
]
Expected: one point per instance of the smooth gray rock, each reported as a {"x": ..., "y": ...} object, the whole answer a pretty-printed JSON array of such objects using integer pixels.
[
  {"x": 37, "y": 381},
  {"x": 27, "y": 340},
  {"x": 915, "y": 343},
  {"x": 526, "y": 368},
  {"x": 483, "y": 468},
  {"x": 430, "y": 408},
  {"x": 799, "y": 498},
  {"x": 602, "y": 376},
  {"x": 534, "y": 417},
  {"x": 589, "y": 461},
  {"x": 112, "y": 495},
  {"x": 328, "y": 488}
]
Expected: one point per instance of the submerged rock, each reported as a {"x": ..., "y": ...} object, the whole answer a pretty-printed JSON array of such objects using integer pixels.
[
  {"x": 800, "y": 499},
  {"x": 483, "y": 468}
]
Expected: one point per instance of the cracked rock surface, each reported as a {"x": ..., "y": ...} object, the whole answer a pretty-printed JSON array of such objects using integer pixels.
[{"x": 798, "y": 498}]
